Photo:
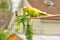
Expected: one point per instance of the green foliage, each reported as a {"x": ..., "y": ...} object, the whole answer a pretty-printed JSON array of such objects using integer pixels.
[
  {"x": 4, "y": 35},
  {"x": 28, "y": 32},
  {"x": 26, "y": 24}
]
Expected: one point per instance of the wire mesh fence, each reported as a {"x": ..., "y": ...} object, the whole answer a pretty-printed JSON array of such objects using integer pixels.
[{"x": 44, "y": 26}]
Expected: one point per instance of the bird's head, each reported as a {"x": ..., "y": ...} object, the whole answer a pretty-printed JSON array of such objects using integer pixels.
[{"x": 26, "y": 9}]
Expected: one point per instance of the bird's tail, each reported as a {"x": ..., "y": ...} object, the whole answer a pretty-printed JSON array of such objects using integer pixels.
[{"x": 45, "y": 14}]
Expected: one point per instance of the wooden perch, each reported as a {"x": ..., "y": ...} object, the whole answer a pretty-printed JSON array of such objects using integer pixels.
[{"x": 57, "y": 16}]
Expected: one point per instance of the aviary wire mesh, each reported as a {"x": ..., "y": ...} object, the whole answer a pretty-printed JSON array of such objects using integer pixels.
[
  {"x": 5, "y": 5},
  {"x": 44, "y": 26}
]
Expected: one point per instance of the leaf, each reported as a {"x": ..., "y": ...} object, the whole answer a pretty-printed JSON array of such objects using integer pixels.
[
  {"x": 18, "y": 26},
  {"x": 3, "y": 35}
]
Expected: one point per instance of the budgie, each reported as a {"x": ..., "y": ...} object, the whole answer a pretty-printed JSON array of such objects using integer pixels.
[{"x": 35, "y": 12}]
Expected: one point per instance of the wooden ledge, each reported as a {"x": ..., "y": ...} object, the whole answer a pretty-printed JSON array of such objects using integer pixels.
[{"x": 47, "y": 17}]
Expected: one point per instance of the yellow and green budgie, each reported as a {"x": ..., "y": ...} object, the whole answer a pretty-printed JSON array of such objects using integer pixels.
[{"x": 35, "y": 12}]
